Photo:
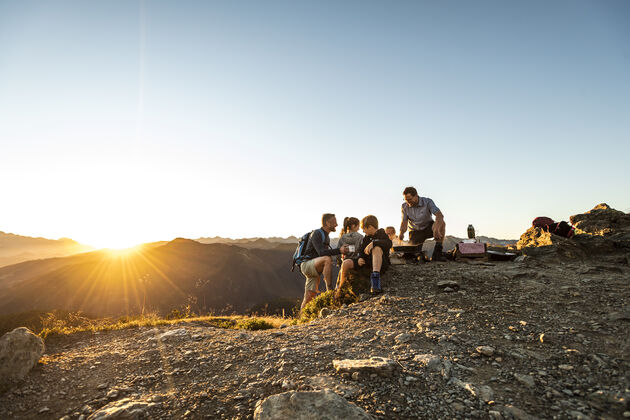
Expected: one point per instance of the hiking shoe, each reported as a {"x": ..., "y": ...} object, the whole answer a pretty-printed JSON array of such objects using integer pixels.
[{"x": 375, "y": 279}]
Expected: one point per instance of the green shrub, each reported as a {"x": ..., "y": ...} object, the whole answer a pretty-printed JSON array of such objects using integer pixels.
[
  {"x": 311, "y": 309},
  {"x": 358, "y": 282},
  {"x": 253, "y": 324},
  {"x": 227, "y": 323}
]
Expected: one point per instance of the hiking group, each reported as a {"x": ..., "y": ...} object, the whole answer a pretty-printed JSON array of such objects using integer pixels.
[{"x": 369, "y": 253}]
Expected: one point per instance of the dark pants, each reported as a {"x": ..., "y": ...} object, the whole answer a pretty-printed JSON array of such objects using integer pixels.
[
  {"x": 368, "y": 261},
  {"x": 417, "y": 237}
]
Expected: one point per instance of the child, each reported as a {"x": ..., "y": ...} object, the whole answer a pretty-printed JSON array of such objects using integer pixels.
[
  {"x": 373, "y": 255},
  {"x": 350, "y": 236},
  {"x": 391, "y": 233}
]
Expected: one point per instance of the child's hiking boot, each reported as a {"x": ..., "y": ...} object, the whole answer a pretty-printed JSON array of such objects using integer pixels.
[{"x": 375, "y": 279}]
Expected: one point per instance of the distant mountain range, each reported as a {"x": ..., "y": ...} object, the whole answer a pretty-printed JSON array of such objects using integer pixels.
[
  {"x": 209, "y": 277},
  {"x": 209, "y": 274},
  {"x": 260, "y": 243},
  {"x": 16, "y": 249}
]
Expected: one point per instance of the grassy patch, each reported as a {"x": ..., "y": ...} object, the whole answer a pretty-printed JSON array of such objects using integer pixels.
[
  {"x": 254, "y": 324},
  {"x": 58, "y": 327}
]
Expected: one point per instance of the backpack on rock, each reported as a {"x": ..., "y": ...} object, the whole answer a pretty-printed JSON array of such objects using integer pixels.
[{"x": 557, "y": 228}]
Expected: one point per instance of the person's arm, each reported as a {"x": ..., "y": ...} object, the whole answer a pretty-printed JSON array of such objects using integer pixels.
[
  {"x": 317, "y": 241},
  {"x": 383, "y": 241},
  {"x": 439, "y": 226},
  {"x": 403, "y": 224}
]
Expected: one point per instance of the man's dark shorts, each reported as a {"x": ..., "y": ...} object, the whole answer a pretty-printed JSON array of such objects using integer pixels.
[
  {"x": 417, "y": 237},
  {"x": 368, "y": 262}
]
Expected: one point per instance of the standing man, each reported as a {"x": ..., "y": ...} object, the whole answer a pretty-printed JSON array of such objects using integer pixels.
[
  {"x": 318, "y": 258},
  {"x": 417, "y": 214}
]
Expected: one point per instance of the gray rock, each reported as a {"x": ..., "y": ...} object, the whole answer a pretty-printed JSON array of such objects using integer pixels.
[
  {"x": 325, "y": 312},
  {"x": 121, "y": 409},
  {"x": 312, "y": 405},
  {"x": 112, "y": 394},
  {"x": 402, "y": 338},
  {"x": 485, "y": 393},
  {"x": 173, "y": 334},
  {"x": 377, "y": 365},
  {"x": 20, "y": 350},
  {"x": 525, "y": 379},
  {"x": 430, "y": 361},
  {"x": 485, "y": 350},
  {"x": 517, "y": 413},
  {"x": 494, "y": 415},
  {"x": 577, "y": 415}
]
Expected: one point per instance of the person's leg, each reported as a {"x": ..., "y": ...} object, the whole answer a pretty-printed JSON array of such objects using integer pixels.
[
  {"x": 438, "y": 250},
  {"x": 375, "y": 276},
  {"x": 347, "y": 264},
  {"x": 310, "y": 290},
  {"x": 377, "y": 258},
  {"x": 323, "y": 265},
  {"x": 343, "y": 275},
  {"x": 309, "y": 269},
  {"x": 415, "y": 237}
]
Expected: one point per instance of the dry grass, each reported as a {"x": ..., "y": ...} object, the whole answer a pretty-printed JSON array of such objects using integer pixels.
[{"x": 56, "y": 327}]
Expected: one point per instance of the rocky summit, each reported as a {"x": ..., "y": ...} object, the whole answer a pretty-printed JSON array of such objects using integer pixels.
[{"x": 545, "y": 336}]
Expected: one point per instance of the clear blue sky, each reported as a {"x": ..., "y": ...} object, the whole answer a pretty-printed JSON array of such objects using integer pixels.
[{"x": 124, "y": 122}]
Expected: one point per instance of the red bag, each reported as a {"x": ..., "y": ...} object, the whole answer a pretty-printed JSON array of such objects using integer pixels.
[{"x": 542, "y": 222}]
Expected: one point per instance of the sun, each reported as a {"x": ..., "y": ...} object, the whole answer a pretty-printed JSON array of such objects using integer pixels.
[
  {"x": 114, "y": 243},
  {"x": 122, "y": 252}
]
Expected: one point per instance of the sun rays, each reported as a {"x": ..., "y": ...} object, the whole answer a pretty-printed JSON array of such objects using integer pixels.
[{"x": 121, "y": 281}]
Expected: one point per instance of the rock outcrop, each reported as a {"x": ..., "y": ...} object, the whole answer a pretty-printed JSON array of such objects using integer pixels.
[
  {"x": 602, "y": 220},
  {"x": 378, "y": 365},
  {"x": 602, "y": 230},
  {"x": 313, "y": 405},
  {"x": 20, "y": 349},
  {"x": 125, "y": 408}
]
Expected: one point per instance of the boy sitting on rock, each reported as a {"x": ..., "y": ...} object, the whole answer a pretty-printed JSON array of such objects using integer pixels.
[{"x": 373, "y": 255}]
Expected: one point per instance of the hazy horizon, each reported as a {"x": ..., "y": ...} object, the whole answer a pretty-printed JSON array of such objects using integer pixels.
[{"x": 130, "y": 122}]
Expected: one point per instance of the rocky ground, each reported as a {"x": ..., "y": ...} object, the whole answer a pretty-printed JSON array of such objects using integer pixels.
[{"x": 537, "y": 338}]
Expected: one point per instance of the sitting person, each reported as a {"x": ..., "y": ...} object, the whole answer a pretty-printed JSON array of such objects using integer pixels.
[
  {"x": 391, "y": 234},
  {"x": 350, "y": 236},
  {"x": 373, "y": 255},
  {"x": 318, "y": 259}
]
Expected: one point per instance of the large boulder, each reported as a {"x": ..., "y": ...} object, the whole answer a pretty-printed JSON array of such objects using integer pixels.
[
  {"x": 126, "y": 408},
  {"x": 536, "y": 237},
  {"x": 20, "y": 350},
  {"x": 311, "y": 405},
  {"x": 601, "y": 220},
  {"x": 379, "y": 365},
  {"x": 602, "y": 230}
]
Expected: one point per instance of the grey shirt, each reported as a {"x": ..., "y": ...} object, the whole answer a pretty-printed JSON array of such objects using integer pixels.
[
  {"x": 419, "y": 216},
  {"x": 351, "y": 238}
]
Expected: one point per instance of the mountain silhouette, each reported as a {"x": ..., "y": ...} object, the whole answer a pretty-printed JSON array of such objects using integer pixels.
[
  {"x": 209, "y": 277},
  {"x": 15, "y": 249}
]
